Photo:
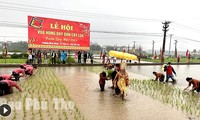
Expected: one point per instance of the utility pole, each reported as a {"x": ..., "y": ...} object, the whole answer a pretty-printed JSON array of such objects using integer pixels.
[
  {"x": 133, "y": 47},
  {"x": 175, "y": 54},
  {"x": 153, "y": 48},
  {"x": 116, "y": 47},
  {"x": 128, "y": 48},
  {"x": 170, "y": 43},
  {"x": 165, "y": 26}
]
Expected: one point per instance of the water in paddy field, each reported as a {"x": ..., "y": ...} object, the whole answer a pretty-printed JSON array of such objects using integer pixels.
[
  {"x": 84, "y": 89},
  {"x": 182, "y": 71}
]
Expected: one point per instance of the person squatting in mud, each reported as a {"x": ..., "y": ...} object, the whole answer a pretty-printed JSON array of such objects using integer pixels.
[
  {"x": 195, "y": 83},
  {"x": 159, "y": 76}
]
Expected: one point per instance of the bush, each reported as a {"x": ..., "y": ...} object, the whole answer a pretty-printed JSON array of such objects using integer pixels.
[
  {"x": 1, "y": 56},
  {"x": 19, "y": 56},
  {"x": 70, "y": 60},
  {"x": 14, "y": 56}
]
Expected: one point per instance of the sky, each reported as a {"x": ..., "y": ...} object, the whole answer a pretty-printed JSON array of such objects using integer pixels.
[{"x": 125, "y": 22}]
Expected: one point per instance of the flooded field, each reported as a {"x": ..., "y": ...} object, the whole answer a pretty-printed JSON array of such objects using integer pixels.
[
  {"x": 182, "y": 71},
  {"x": 84, "y": 90}
]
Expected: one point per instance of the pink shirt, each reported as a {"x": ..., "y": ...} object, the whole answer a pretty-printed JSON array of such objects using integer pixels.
[
  {"x": 6, "y": 76},
  {"x": 11, "y": 84},
  {"x": 25, "y": 65},
  {"x": 29, "y": 69},
  {"x": 19, "y": 70}
]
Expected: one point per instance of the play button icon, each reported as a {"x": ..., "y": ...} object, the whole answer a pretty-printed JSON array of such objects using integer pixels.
[{"x": 5, "y": 110}]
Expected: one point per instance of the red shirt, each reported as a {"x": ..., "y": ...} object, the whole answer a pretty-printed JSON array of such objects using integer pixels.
[
  {"x": 19, "y": 70},
  {"x": 169, "y": 70},
  {"x": 25, "y": 65},
  {"x": 11, "y": 84},
  {"x": 6, "y": 76}
]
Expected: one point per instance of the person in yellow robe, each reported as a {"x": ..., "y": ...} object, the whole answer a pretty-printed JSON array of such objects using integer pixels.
[{"x": 122, "y": 82}]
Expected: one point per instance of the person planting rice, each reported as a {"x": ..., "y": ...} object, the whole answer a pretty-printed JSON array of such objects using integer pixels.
[
  {"x": 195, "y": 83},
  {"x": 30, "y": 70},
  {"x": 6, "y": 87},
  {"x": 102, "y": 81},
  {"x": 159, "y": 76},
  {"x": 16, "y": 73},
  {"x": 5, "y": 77}
]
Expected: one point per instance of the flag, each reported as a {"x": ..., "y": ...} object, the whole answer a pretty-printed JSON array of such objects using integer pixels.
[
  {"x": 187, "y": 53},
  {"x": 155, "y": 56},
  {"x": 5, "y": 51},
  {"x": 160, "y": 53}
]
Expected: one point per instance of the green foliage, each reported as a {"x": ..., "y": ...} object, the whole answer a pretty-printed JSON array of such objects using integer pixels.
[
  {"x": 11, "y": 61},
  {"x": 173, "y": 60},
  {"x": 70, "y": 60},
  {"x": 95, "y": 47},
  {"x": 20, "y": 56},
  {"x": 1, "y": 57},
  {"x": 21, "y": 46}
]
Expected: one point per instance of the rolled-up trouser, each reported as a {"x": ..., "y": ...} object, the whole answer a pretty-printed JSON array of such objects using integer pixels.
[
  {"x": 16, "y": 76},
  {"x": 162, "y": 77},
  {"x": 198, "y": 89}
]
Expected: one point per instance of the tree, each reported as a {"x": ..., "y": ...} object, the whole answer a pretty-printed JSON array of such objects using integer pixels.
[
  {"x": 95, "y": 47},
  {"x": 194, "y": 51}
]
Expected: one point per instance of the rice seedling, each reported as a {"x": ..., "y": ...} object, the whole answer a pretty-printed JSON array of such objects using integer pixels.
[
  {"x": 168, "y": 94},
  {"x": 44, "y": 84}
]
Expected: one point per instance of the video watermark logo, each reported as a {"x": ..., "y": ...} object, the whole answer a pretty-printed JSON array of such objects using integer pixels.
[{"x": 38, "y": 104}]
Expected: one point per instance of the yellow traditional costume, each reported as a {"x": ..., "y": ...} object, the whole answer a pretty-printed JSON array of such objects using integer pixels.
[{"x": 122, "y": 78}]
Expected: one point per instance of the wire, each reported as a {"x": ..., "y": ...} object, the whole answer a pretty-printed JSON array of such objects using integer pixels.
[
  {"x": 72, "y": 13},
  {"x": 128, "y": 33},
  {"x": 186, "y": 27},
  {"x": 179, "y": 37}
]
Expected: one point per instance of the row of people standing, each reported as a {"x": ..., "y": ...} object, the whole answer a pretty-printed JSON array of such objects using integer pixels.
[
  {"x": 86, "y": 55},
  {"x": 59, "y": 57},
  {"x": 36, "y": 57}
]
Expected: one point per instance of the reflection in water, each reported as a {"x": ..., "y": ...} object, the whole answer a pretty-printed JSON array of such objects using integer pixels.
[
  {"x": 84, "y": 89},
  {"x": 182, "y": 72}
]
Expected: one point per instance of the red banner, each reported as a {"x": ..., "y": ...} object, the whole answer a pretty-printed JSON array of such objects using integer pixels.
[{"x": 47, "y": 33}]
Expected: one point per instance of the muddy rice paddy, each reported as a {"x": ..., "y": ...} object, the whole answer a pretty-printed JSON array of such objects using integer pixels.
[{"x": 79, "y": 87}]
